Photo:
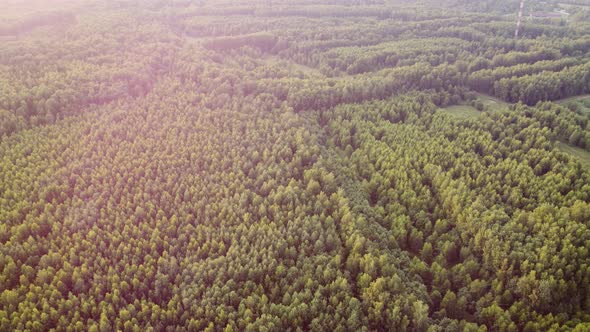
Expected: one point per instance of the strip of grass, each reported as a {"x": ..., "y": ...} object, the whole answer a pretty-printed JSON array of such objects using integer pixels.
[
  {"x": 582, "y": 155},
  {"x": 574, "y": 99},
  {"x": 469, "y": 112},
  {"x": 461, "y": 111},
  {"x": 582, "y": 102},
  {"x": 492, "y": 103}
]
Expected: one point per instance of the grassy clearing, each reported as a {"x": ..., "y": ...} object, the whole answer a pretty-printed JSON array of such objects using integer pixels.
[
  {"x": 583, "y": 103},
  {"x": 582, "y": 155},
  {"x": 464, "y": 111},
  {"x": 293, "y": 67},
  {"x": 461, "y": 111},
  {"x": 493, "y": 103},
  {"x": 582, "y": 98}
]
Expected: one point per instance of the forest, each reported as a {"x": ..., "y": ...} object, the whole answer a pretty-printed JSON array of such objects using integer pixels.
[{"x": 326, "y": 165}]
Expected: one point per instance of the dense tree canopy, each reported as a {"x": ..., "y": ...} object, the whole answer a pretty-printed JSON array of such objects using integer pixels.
[{"x": 290, "y": 166}]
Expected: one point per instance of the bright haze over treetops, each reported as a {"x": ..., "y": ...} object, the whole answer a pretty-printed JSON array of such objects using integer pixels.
[{"x": 294, "y": 166}]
